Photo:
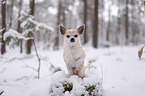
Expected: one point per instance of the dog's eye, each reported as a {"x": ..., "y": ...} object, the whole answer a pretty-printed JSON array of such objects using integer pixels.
[
  {"x": 76, "y": 36},
  {"x": 67, "y": 36}
]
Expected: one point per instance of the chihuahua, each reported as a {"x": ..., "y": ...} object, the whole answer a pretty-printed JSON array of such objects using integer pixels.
[{"x": 74, "y": 54}]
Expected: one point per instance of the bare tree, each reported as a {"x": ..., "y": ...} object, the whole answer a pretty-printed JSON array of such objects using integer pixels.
[
  {"x": 56, "y": 43},
  {"x": 29, "y": 42},
  {"x": 95, "y": 25},
  {"x": 64, "y": 14},
  {"x": 109, "y": 23},
  {"x": 126, "y": 23},
  {"x": 92, "y": 16},
  {"x": 133, "y": 22},
  {"x": 3, "y": 12},
  {"x": 11, "y": 13},
  {"x": 119, "y": 24},
  {"x": 19, "y": 29},
  {"x": 85, "y": 21}
]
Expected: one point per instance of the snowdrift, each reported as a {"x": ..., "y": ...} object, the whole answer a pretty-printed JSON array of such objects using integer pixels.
[{"x": 64, "y": 85}]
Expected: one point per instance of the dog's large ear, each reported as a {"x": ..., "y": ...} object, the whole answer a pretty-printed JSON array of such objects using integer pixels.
[
  {"x": 81, "y": 29},
  {"x": 62, "y": 29}
]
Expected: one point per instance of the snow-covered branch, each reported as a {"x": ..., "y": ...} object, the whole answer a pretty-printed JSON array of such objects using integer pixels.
[
  {"x": 2, "y": 30},
  {"x": 40, "y": 25},
  {"x": 14, "y": 34},
  {"x": 37, "y": 24}
]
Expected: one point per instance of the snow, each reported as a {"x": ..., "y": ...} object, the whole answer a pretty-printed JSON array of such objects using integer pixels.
[
  {"x": 1, "y": 30},
  {"x": 38, "y": 24},
  {"x": 15, "y": 9},
  {"x": 79, "y": 85},
  {"x": 140, "y": 47},
  {"x": 123, "y": 74},
  {"x": 52, "y": 10},
  {"x": 14, "y": 34}
]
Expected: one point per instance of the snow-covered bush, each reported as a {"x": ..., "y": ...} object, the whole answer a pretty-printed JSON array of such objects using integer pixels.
[{"x": 64, "y": 85}]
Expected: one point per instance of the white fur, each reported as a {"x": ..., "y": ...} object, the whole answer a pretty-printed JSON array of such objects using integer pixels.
[{"x": 74, "y": 56}]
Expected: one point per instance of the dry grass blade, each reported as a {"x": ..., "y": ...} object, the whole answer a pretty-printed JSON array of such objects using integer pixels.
[
  {"x": 140, "y": 52},
  {"x": 1, "y": 93}
]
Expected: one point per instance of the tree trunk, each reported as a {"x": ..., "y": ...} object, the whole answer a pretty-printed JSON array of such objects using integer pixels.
[
  {"x": 133, "y": 23},
  {"x": 3, "y": 12},
  {"x": 19, "y": 29},
  {"x": 56, "y": 44},
  {"x": 126, "y": 23},
  {"x": 29, "y": 42},
  {"x": 64, "y": 16},
  {"x": 95, "y": 25},
  {"x": 119, "y": 23},
  {"x": 92, "y": 16},
  {"x": 108, "y": 27},
  {"x": 32, "y": 7},
  {"x": 11, "y": 13},
  {"x": 85, "y": 21}
]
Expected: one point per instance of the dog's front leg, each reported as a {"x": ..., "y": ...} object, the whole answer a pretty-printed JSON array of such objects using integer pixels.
[
  {"x": 79, "y": 62},
  {"x": 82, "y": 71},
  {"x": 80, "y": 67},
  {"x": 69, "y": 68}
]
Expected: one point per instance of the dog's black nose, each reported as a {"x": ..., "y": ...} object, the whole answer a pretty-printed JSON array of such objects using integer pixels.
[{"x": 72, "y": 40}]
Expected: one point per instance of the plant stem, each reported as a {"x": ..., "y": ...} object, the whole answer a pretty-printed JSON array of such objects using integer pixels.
[
  {"x": 1, "y": 92},
  {"x": 37, "y": 58}
]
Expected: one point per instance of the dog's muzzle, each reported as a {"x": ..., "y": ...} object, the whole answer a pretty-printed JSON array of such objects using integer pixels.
[{"x": 72, "y": 40}]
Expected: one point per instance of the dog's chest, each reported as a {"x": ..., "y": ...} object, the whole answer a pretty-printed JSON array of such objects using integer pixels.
[{"x": 72, "y": 55}]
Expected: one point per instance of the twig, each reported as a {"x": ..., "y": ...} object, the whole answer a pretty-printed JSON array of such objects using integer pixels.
[
  {"x": 38, "y": 59},
  {"x": 3, "y": 70},
  {"x": 31, "y": 68},
  {"x": 15, "y": 58},
  {"x": 22, "y": 78},
  {"x": 52, "y": 65},
  {"x": 101, "y": 70}
]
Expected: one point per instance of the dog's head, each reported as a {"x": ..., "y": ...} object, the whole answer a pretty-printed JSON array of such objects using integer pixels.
[{"x": 72, "y": 36}]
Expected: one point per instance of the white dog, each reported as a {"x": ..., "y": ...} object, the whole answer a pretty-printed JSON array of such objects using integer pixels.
[{"x": 74, "y": 54}]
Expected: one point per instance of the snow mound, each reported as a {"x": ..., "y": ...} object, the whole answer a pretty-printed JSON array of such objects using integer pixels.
[{"x": 64, "y": 85}]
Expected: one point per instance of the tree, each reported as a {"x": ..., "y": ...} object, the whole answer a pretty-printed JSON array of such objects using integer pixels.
[
  {"x": 19, "y": 29},
  {"x": 56, "y": 43},
  {"x": 126, "y": 23},
  {"x": 3, "y": 12},
  {"x": 29, "y": 42},
  {"x": 63, "y": 13},
  {"x": 85, "y": 21},
  {"x": 95, "y": 25},
  {"x": 11, "y": 13},
  {"x": 109, "y": 23},
  {"x": 118, "y": 23}
]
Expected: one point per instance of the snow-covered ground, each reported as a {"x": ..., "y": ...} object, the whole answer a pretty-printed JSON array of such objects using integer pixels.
[{"x": 122, "y": 72}]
